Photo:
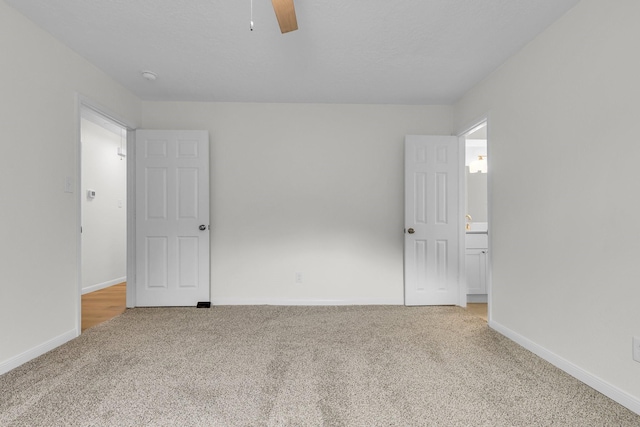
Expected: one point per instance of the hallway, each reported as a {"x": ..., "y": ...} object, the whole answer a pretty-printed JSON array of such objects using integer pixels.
[{"x": 102, "y": 305}]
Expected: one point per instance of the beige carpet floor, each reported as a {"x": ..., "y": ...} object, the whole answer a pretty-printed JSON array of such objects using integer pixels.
[{"x": 298, "y": 366}]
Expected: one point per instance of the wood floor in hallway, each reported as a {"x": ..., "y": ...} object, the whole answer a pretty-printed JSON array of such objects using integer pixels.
[
  {"x": 478, "y": 309},
  {"x": 102, "y": 305}
]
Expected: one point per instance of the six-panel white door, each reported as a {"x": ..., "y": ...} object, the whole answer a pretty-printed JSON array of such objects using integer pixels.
[
  {"x": 172, "y": 218},
  {"x": 432, "y": 220}
]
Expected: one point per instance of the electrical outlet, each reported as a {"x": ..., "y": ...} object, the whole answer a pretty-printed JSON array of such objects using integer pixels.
[
  {"x": 298, "y": 278},
  {"x": 636, "y": 349}
]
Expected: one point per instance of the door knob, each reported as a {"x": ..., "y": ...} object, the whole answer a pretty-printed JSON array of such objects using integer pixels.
[
  {"x": 202, "y": 227},
  {"x": 411, "y": 231}
]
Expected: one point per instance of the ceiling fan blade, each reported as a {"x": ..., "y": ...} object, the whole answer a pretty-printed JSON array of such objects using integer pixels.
[{"x": 286, "y": 14}]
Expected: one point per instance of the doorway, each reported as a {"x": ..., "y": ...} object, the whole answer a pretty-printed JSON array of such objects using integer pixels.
[
  {"x": 103, "y": 214},
  {"x": 476, "y": 208}
]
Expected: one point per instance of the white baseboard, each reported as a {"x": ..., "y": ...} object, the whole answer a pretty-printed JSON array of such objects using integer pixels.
[
  {"x": 285, "y": 301},
  {"x": 103, "y": 285},
  {"x": 609, "y": 390},
  {"x": 38, "y": 350},
  {"x": 477, "y": 298}
]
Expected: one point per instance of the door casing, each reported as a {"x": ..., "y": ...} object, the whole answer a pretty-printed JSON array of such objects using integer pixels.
[
  {"x": 462, "y": 302},
  {"x": 464, "y": 130},
  {"x": 85, "y": 102}
]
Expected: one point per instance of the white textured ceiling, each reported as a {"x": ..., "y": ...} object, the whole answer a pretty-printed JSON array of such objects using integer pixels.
[{"x": 357, "y": 51}]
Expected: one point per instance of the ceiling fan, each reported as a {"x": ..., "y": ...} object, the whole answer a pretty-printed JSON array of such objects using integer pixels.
[{"x": 286, "y": 14}]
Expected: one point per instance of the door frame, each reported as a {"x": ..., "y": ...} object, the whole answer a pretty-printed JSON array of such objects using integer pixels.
[
  {"x": 464, "y": 130},
  {"x": 85, "y": 102},
  {"x": 462, "y": 261}
]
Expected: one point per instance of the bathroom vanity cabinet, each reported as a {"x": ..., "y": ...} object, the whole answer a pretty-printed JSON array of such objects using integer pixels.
[{"x": 477, "y": 251}]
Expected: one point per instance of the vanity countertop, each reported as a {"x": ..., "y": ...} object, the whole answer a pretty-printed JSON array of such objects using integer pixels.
[{"x": 477, "y": 228}]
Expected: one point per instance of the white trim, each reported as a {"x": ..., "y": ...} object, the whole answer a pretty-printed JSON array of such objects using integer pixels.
[
  {"x": 104, "y": 111},
  {"x": 489, "y": 221},
  {"x": 471, "y": 126},
  {"x": 477, "y": 298},
  {"x": 285, "y": 301},
  {"x": 462, "y": 259},
  {"x": 609, "y": 390},
  {"x": 36, "y": 351},
  {"x": 103, "y": 285},
  {"x": 131, "y": 218},
  {"x": 78, "y": 201},
  {"x": 85, "y": 102}
]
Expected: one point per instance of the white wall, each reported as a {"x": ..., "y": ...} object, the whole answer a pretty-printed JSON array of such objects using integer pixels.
[
  {"x": 477, "y": 196},
  {"x": 104, "y": 218},
  {"x": 39, "y": 83},
  {"x": 565, "y": 244},
  {"x": 309, "y": 188}
]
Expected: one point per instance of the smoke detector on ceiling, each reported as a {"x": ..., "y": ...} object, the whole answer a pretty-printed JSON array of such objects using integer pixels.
[{"x": 149, "y": 75}]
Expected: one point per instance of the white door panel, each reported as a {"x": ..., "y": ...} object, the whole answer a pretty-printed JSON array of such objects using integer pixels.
[
  {"x": 432, "y": 223},
  {"x": 172, "y": 203}
]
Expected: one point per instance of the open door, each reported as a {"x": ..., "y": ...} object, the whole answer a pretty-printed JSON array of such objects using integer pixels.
[
  {"x": 172, "y": 218},
  {"x": 432, "y": 220}
]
